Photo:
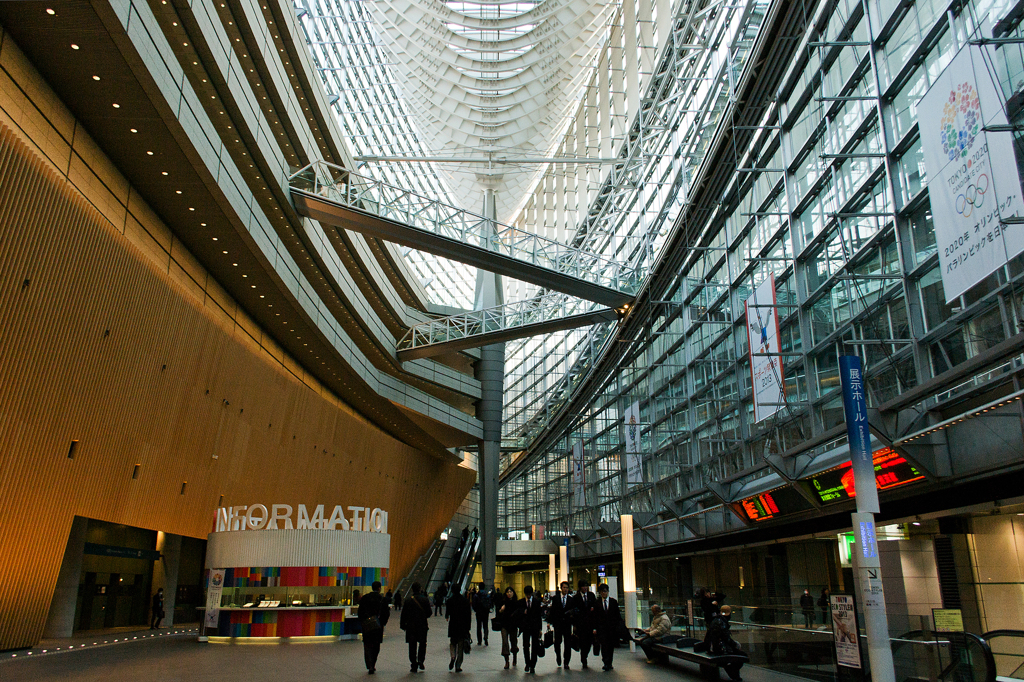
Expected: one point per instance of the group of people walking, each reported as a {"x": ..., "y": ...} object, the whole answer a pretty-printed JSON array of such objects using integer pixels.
[{"x": 584, "y": 622}]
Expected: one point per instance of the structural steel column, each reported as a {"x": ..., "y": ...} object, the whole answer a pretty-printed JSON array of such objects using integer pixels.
[{"x": 490, "y": 370}]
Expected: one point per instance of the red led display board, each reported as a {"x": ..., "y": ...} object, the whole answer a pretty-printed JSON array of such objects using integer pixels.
[
  {"x": 784, "y": 500},
  {"x": 891, "y": 471}
]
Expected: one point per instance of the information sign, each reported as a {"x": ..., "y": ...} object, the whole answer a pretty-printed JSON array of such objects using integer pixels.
[
  {"x": 784, "y": 500},
  {"x": 948, "y": 620},
  {"x": 844, "y": 630}
]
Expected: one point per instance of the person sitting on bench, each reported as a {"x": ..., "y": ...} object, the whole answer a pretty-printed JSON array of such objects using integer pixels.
[
  {"x": 661, "y": 625},
  {"x": 718, "y": 640}
]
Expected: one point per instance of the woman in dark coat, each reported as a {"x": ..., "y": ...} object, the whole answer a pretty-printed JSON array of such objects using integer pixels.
[
  {"x": 505, "y": 614},
  {"x": 460, "y": 619}
]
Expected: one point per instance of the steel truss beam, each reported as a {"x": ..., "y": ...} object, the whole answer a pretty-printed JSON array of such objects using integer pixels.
[{"x": 336, "y": 196}]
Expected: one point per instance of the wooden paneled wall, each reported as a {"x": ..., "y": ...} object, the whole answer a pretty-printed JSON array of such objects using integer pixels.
[{"x": 101, "y": 344}]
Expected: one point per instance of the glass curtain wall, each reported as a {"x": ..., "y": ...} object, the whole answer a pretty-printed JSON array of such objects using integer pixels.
[{"x": 833, "y": 202}]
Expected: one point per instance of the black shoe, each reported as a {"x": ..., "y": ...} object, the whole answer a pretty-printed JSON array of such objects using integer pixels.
[
  {"x": 414, "y": 668},
  {"x": 566, "y": 666},
  {"x": 421, "y": 666},
  {"x": 451, "y": 664},
  {"x": 458, "y": 670},
  {"x": 584, "y": 665},
  {"x": 371, "y": 671}
]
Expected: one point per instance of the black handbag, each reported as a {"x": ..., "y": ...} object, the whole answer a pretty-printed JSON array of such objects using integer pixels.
[
  {"x": 371, "y": 626},
  {"x": 549, "y": 639},
  {"x": 467, "y": 645},
  {"x": 495, "y": 625}
]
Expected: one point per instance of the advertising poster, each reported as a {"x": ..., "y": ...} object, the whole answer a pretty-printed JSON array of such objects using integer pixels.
[
  {"x": 973, "y": 181},
  {"x": 634, "y": 466},
  {"x": 213, "y": 597},
  {"x": 844, "y": 630},
  {"x": 763, "y": 341},
  {"x": 578, "y": 476}
]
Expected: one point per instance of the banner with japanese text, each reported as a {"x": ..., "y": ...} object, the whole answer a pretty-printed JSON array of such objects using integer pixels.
[
  {"x": 634, "y": 461},
  {"x": 579, "y": 499},
  {"x": 763, "y": 342},
  {"x": 973, "y": 180}
]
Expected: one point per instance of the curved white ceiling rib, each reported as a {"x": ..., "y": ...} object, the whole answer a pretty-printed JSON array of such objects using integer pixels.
[{"x": 511, "y": 102}]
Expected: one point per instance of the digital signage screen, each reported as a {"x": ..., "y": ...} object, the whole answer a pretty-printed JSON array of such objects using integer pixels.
[
  {"x": 891, "y": 471},
  {"x": 784, "y": 500}
]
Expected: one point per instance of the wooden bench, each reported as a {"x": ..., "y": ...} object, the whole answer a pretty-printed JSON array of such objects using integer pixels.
[{"x": 709, "y": 663}]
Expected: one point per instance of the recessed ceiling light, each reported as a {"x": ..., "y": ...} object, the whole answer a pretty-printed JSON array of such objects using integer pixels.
[
  {"x": 74, "y": 47},
  {"x": 50, "y": 11},
  {"x": 236, "y": 265},
  {"x": 214, "y": 239},
  {"x": 149, "y": 153},
  {"x": 164, "y": 173},
  {"x": 245, "y": 275},
  {"x": 134, "y": 130},
  {"x": 177, "y": 191},
  {"x": 203, "y": 224},
  {"x": 116, "y": 105},
  {"x": 95, "y": 78},
  {"x": 190, "y": 208},
  {"x": 224, "y": 252}
]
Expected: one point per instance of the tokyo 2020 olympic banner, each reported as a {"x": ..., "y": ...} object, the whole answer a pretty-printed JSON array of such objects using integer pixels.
[{"x": 973, "y": 181}]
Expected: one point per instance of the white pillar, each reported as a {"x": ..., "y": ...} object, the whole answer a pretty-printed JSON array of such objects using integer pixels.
[
  {"x": 551, "y": 573},
  {"x": 628, "y": 573},
  {"x": 563, "y": 564}
]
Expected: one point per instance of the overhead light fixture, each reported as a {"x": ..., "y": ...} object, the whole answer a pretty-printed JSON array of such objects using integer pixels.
[
  {"x": 74, "y": 47},
  {"x": 116, "y": 105},
  {"x": 95, "y": 78},
  {"x": 50, "y": 11}
]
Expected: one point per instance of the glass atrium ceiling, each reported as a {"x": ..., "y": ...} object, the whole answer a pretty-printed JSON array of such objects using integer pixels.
[{"x": 483, "y": 90}]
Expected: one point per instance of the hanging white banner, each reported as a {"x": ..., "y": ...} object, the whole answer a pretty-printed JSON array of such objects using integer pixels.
[
  {"x": 973, "y": 181},
  {"x": 634, "y": 465},
  {"x": 578, "y": 476},
  {"x": 213, "y": 597},
  {"x": 763, "y": 344},
  {"x": 844, "y": 630}
]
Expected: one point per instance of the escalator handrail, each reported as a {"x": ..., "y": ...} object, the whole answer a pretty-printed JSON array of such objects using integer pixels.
[
  {"x": 474, "y": 549},
  {"x": 986, "y": 650},
  {"x": 460, "y": 571},
  {"x": 1002, "y": 633}
]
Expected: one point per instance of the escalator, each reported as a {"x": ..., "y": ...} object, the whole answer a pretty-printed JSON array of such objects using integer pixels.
[
  {"x": 463, "y": 563},
  {"x": 921, "y": 655},
  {"x": 1008, "y": 651}
]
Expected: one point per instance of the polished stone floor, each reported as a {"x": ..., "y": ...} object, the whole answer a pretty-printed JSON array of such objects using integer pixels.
[{"x": 173, "y": 656}]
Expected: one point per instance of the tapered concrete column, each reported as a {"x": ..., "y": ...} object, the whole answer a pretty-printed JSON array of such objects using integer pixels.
[
  {"x": 490, "y": 370},
  {"x": 61, "y": 620},
  {"x": 165, "y": 572}
]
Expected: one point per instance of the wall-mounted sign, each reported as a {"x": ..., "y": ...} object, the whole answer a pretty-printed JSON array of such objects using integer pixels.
[
  {"x": 784, "y": 500},
  {"x": 891, "y": 471},
  {"x": 763, "y": 342},
  {"x": 279, "y": 516},
  {"x": 121, "y": 552},
  {"x": 973, "y": 180}
]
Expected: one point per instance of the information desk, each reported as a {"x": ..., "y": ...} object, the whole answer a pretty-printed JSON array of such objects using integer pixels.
[
  {"x": 287, "y": 583},
  {"x": 306, "y": 622}
]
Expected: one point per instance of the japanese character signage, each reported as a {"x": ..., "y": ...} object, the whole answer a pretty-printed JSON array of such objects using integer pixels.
[
  {"x": 858, "y": 433},
  {"x": 973, "y": 181},
  {"x": 634, "y": 467},
  {"x": 578, "y": 476},
  {"x": 763, "y": 341}
]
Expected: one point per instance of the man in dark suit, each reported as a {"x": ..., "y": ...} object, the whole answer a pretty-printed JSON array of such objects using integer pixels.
[
  {"x": 560, "y": 615},
  {"x": 607, "y": 624},
  {"x": 531, "y": 616},
  {"x": 414, "y": 621},
  {"x": 372, "y": 616},
  {"x": 585, "y": 607}
]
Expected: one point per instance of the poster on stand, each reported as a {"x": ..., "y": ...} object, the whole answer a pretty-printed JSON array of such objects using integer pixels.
[
  {"x": 763, "y": 342},
  {"x": 844, "y": 630},
  {"x": 973, "y": 180},
  {"x": 634, "y": 465},
  {"x": 578, "y": 476},
  {"x": 213, "y": 597}
]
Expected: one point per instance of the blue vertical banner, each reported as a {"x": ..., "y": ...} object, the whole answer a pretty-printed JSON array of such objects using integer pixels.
[{"x": 856, "y": 407}]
